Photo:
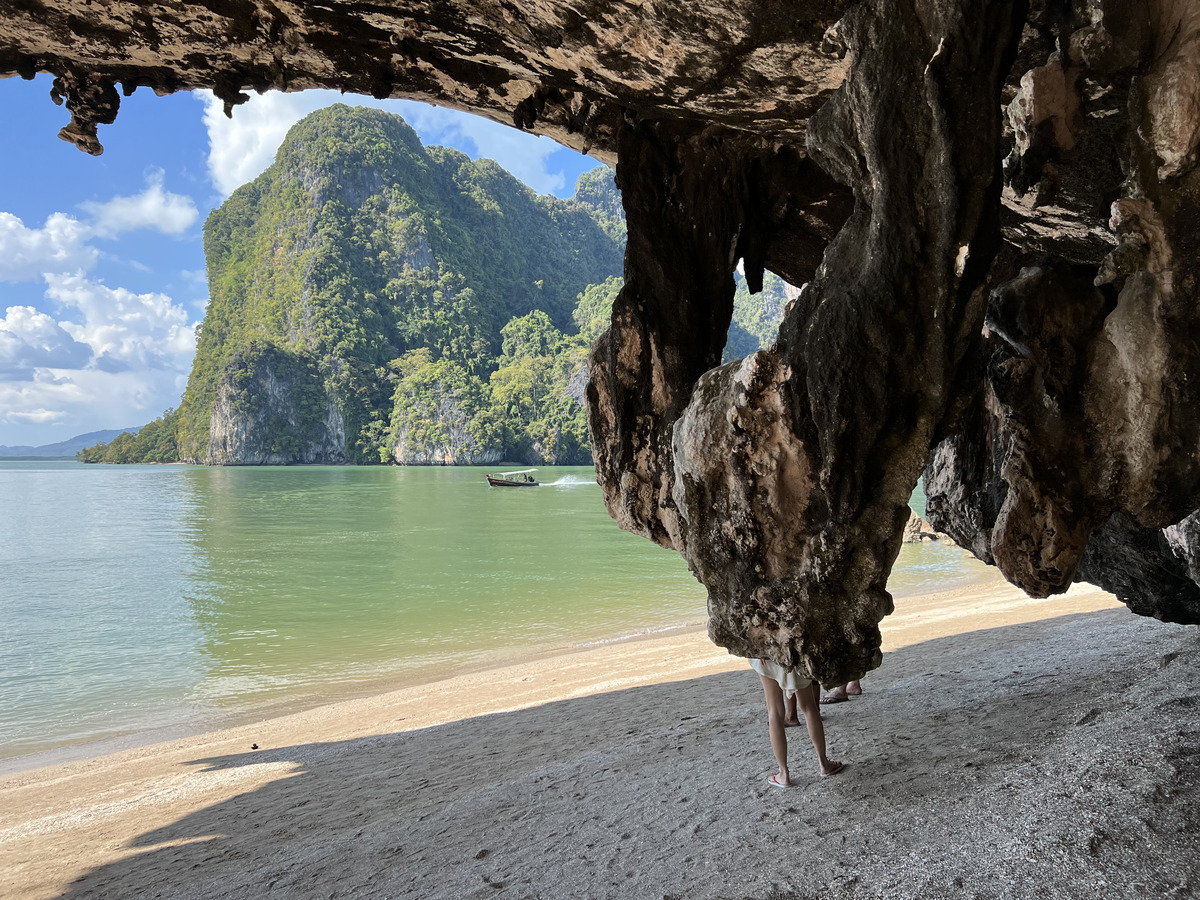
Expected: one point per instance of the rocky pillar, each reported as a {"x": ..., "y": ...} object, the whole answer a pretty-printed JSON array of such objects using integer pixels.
[
  {"x": 794, "y": 467},
  {"x": 1084, "y": 444},
  {"x": 682, "y": 192}
]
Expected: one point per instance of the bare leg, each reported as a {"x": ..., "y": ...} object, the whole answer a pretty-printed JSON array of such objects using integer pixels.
[
  {"x": 807, "y": 700},
  {"x": 775, "y": 705},
  {"x": 789, "y": 707}
]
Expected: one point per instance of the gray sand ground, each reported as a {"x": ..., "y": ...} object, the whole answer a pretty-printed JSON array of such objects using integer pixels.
[{"x": 1052, "y": 759}]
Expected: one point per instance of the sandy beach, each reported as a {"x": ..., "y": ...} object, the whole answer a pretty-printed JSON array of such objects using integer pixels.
[{"x": 1007, "y": 747}]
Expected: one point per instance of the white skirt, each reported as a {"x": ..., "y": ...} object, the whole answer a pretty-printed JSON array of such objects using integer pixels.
[{"x": 789, "y": 680}]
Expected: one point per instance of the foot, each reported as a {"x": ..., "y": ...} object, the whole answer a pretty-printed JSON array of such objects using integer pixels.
[
  {"x": 791, "y": 723},
  {"x": 780, "y": 780},
  {"x": 837, "y": 695},
  {"x": 832, "y": 768},
  {"x": 854, "y": 689}
]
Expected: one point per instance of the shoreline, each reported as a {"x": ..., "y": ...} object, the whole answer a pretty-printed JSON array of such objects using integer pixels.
[
  {"x": 291, "y": 704},
  {"x": 59, "y": 822},
  {"x": 911, "y": 609},
  {"x": 917, "y": 618},
  {"x": 305, "y": 698}
]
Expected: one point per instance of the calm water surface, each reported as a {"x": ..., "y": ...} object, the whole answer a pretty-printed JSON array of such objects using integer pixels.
[{"x": 141, "y": 597}]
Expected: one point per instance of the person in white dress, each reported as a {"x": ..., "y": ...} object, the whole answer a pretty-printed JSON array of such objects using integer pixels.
[{"x": 779, "y": 684}]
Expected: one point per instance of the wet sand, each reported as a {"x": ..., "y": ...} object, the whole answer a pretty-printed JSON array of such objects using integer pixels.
[{"x": 1007, "y": 747}]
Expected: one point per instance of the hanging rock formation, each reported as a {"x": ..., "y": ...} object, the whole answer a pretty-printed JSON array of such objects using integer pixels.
[
  {"x": 1080, "y": 445},
  {"x": 993, "y": 206}
]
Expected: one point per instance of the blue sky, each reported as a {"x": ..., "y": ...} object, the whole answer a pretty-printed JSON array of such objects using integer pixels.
[{"x": 101, "y": 258}]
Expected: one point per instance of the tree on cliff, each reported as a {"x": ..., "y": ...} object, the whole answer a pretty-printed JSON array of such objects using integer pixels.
[
  {"x": 593, "y": 310},
  {"x": 359, "y": 248},
  {"x": 530, "y": 389}
]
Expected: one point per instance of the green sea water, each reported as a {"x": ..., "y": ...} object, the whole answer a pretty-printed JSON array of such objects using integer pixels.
[{"x": 140, "y": 599}]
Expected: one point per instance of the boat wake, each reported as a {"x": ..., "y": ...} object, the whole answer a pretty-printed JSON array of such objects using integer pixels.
[{"x": 570, "y": 481}]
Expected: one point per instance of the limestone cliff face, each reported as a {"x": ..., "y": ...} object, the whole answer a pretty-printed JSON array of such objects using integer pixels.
[
  {"x": 360, "y": 246},
  {"x": 272, "y": 409},
  {"x": 993, "y": 207},
  {"x": 241, "y": 440},
  {"x": 577, "y": 385},
  {"x": 443, "y": 439}
]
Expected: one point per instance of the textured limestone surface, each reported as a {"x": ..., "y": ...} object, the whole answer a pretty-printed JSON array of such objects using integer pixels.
[
  {"x": 272, "y": 409},
  {"x": 992, "y": 206},
  {"x": 458, "y": 447},
  {"x": 1077, "y": 456},
  {"x": 574, "y": 71}
]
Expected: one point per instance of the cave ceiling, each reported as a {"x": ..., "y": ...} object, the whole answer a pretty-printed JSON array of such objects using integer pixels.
[
  {"x": 572, "y": 71},
  {"x": 992, "y": 206}
]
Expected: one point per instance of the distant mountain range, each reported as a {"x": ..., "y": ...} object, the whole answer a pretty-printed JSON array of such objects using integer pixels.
[{"x": 68, "y": 447}]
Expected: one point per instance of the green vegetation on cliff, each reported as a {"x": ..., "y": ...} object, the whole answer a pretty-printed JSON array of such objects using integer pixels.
[
  {"x": 441, "y": 412},
  {"x": 532, "y": 388},
  {"x": 756, "y": 317},
  {"x": 375, "y": 300},
  {"x": 153, "y": 443},
  {"x": 360, "y": 246}
]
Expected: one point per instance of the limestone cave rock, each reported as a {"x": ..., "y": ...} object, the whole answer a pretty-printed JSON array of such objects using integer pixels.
[
  {"x": 918, "y": 531},
  {"x": 572, "y": 71},
  {"x": 1080, "y": 445},
  {"x": 991, "y": 206}
]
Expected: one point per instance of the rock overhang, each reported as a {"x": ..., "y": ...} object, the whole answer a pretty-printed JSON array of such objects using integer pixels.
[
  {"x": 571, "y": 71},
  {"x": 1028, "y": 328}
]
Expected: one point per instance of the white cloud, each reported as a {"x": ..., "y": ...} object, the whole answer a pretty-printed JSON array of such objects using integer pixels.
[
  {"x": 124, "y": 328},
  {"x": 59, "y": 245},
  {"x": 152, "y": 208},
  {"x": 56, "y": 403},
  {"x": 241, "y": 148},
  {"x": 34, "y": 416},
  {"x": 115, "y": 358},
  {"x": 38, "y": 400},
  {"x": 30, "y": 340},
  {"x": 62, "y": 243}
]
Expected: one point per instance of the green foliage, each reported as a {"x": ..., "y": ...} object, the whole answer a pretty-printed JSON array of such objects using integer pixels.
[
  {"x": 531, "y": 392},
  {"x": 739, "y": 343},
  {"x": 439, "y": 404},
  {"x": 154, "y": 443},
  {"x": 372, "y": 442},
  {"x": 593, "y": 309},
  {"x": 529, "y": 336},
  {"x": 359, "y": 246},
  {"x": 597, "y": 190},
  {"x": 756, "y": 317},
  {"x": 437, "y": 310}
]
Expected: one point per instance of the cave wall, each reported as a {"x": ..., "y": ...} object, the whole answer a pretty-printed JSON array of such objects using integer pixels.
[
  {"x": 992, "y": 205},
  {"x": 1080, "y": 447}
]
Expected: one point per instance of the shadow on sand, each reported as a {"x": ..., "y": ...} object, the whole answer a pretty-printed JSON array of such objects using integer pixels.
[{"x": 1051, "y": 759}]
